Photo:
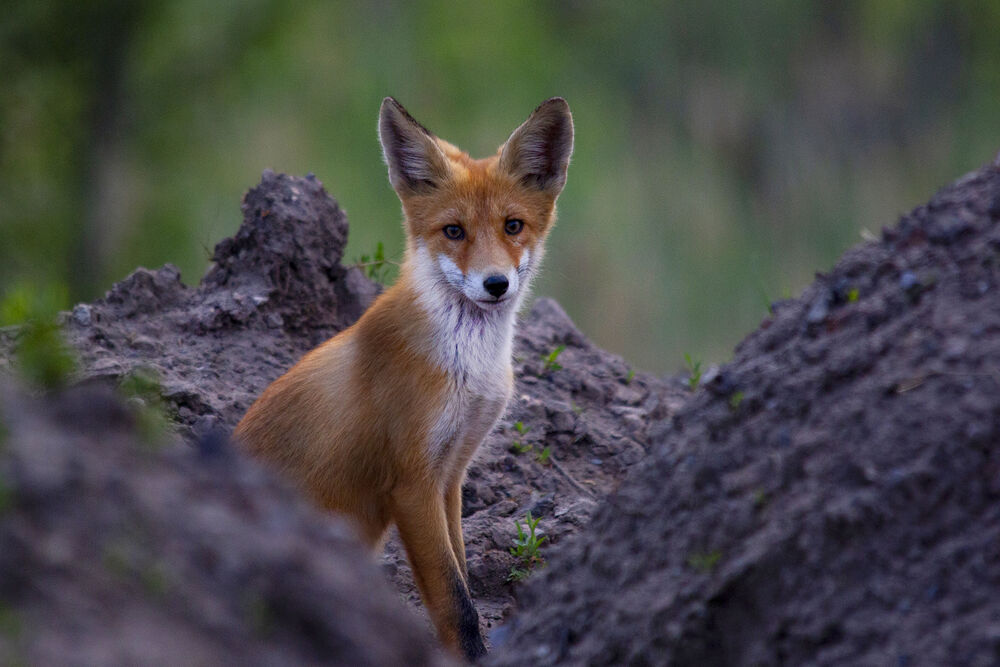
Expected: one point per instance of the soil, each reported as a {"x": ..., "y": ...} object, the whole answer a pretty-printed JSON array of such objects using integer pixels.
[
  {"x": 830, "y": 496},
  {"x": 117, "y": 551},
  {"x": 278, "y": 288}
]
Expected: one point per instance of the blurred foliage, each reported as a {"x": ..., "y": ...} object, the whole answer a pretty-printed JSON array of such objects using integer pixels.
[
  {"x": 723, "y": 154},
  {"x": 41, "y": 355},
  {"x": 143, "y": 390}
]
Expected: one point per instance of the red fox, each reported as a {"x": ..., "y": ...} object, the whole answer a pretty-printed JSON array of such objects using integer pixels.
[{"x": 380, "y": 422}]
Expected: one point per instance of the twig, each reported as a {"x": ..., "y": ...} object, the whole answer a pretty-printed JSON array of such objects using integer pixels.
[
  {"x": 576, "y": 485},
  {"x": 378, "y": 263},
  {"x": 912, "y": 383}
]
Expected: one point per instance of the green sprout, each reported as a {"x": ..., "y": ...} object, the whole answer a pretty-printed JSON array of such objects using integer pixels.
[
  {"x": 550, "y": 360},
  {"x": 41, "y": 354},
  {"x": 694, "y": 371},
  {"x": 704, "y": 562},
  {"x": 141, "y": 387},
  {"x": 376, "y": 266},
  {"x": 518, "y": 447},
  {"x": 525, "y": 548},
  {"x": 629, "y": 376},
  {"x": 543, "y": 456},
  {"x": 735, "y": 399}
]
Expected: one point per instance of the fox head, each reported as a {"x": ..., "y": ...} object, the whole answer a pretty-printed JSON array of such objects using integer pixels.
[{"x": 476, "y": 228}]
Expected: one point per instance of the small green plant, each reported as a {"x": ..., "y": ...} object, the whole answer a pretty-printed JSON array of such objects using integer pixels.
[
  {"x": 154, "y": 580},
  {"x": 142, "y": 389},
  {"x": 6, "y": 496},
  {"x": 376, "y": 266},
  {"x": 258, "y": 614},
  {"x": 694, "y": 371},
  {"x": 42, "y": 356},
  {"x": 735, "y": 399},
  {"x": 629, "y": 376},
  {"x": 704, "y": 562},
  {"x": 853, "y": 295},
  {"x": 577, "y": 409},
  {"x": 543, "y": 456},
  {"x": 10, "y": 621},
  {"x": 550, "y": 360},
  {"x": 525, "y": 548},
  {"x": 518, "y": 447}
]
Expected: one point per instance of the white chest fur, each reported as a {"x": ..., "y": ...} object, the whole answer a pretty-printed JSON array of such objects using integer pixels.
[{"x": 473, "y": 346}]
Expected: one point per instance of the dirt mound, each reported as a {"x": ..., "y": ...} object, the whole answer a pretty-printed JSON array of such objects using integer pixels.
[
  {"x": 273, "y": 291},
  {"x": 578, "y": 420},
  {"x": 116, "y": 553},
  {"x": 831, "y": 496}
]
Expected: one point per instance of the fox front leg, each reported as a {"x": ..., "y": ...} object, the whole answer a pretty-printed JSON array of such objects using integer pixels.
[
  {"x": 453, "y": 512},
  {"x": 421, "y": 517}
]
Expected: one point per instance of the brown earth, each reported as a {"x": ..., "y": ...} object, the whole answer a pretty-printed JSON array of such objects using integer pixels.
[
  {"x": 274, "y": 291},
  {"x": 116, "y": 552},
  {"x": 831, "y": 496}
]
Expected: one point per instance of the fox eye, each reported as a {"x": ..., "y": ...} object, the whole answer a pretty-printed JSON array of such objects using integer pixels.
[
  {"x": 513, "y": 226},
  {"x": 454, "y": 232}
]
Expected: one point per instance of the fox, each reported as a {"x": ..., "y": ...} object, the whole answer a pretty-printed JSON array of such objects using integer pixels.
[{"x": 380, "y": 422}]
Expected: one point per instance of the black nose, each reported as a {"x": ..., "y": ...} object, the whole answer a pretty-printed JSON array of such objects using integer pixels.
[{"x": 496, "y": 285}]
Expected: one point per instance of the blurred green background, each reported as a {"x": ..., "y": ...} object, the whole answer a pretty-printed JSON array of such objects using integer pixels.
[{"x": 723, "y": 153}]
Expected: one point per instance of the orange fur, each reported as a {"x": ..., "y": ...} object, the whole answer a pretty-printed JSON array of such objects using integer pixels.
[{"x": 379, "y": 423}]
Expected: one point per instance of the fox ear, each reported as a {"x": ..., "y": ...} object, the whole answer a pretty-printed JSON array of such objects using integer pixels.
[
  {"x": 538, "y": 152},
  {"x": 416, "y": 163}
]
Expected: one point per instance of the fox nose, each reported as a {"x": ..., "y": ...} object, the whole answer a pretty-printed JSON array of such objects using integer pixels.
[{"x": 496, "y": 285}]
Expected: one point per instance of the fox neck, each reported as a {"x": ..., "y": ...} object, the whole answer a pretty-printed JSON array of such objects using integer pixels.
[{"x": 470, "y": 343}]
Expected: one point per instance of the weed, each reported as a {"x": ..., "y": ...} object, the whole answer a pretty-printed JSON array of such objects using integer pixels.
[
  {"x": 525, "y": 548},
  {"x": 141, "y": 387},
  {"x": 735, "y": 399},
  {"x": 521, "y": 428},
  {"x": 518, "y": 447},
  {"x": 10, "y": 621},
  {"x": 577, "y": 409},
  {"x": 116, "y": 559},
  {"x": 704, "y": 562},
  {"x": 376, "y": 266},
  {"x": 550, "y": 360},
  {"x": 629, "y": 376},
  {"x": 853, "y": 295},
  {"x": 42, "y": 355},
  {"x": 543, "y": 456},
  {"x": 6, "y": 496},
  {"x": 154, "y": 580},
  {"x": 694, "y": 371},
  {"x": 518, "y": 573},
  {"x": 258, "y": 614}
]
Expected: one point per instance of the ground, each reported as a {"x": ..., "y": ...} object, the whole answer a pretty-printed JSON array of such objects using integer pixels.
[{"x": 829, "y": 496}]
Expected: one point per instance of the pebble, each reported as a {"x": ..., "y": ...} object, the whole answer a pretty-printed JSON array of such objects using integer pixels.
[
  {"x": 908, "y": 281},
  {"x": 82, "y": 315},
  {"x": 818, "y": 311}
]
